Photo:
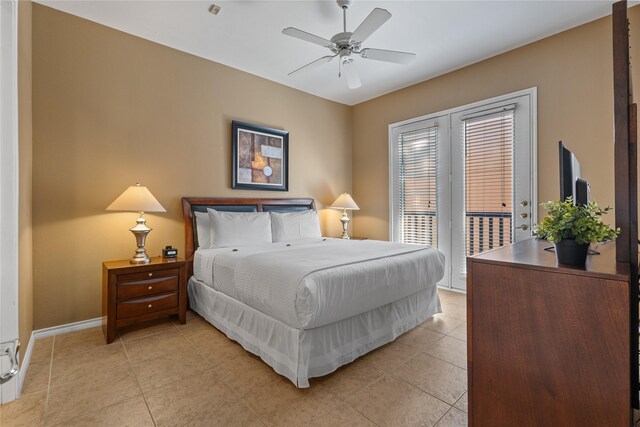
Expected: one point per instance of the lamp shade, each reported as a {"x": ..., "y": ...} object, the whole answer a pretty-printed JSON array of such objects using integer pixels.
[
  {"x": 136, "y": 198},
  {"x": 344, "y": 201}
]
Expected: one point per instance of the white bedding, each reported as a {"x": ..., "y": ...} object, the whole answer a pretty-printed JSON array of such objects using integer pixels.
[
  {"x": 311, "y": 283},
  {"x": 302, "y": 354}
]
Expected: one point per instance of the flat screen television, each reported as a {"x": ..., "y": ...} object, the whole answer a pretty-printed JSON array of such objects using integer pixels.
[{"x": 571, "y": 182}]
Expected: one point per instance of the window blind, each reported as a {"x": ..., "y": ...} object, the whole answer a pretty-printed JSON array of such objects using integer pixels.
[
  {"x": 489, "y": 155},
  {"x": 418, "y": 167}
]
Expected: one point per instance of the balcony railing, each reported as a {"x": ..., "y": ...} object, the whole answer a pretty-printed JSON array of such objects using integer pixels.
[
  {"x": 484, "y": 230},
  {"x": 487, "y": 230}
]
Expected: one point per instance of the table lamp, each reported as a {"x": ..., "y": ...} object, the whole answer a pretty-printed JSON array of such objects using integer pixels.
[
  {"x": 138, "y": 198},
  {"x": 345, "y": 202}
]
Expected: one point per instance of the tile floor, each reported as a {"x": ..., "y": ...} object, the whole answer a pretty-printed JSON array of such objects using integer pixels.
[{"x": 166, "y": 374}]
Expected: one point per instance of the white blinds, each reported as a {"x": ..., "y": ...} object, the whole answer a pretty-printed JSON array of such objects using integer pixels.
[
  {"x": 488, "y": 153},
  {"x": 418, "y": 170}
]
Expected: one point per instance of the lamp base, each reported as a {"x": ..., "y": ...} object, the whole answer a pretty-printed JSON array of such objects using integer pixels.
[
  {"x": 345, "y": 225},
  {"x": 140, "y": 231}
]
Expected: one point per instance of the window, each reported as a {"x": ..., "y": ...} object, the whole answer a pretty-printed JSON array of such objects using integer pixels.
[
  {"x": 463, "y": 180},
  {"x": 488, "y": 144},
  {"x": 418, "y": 165}
]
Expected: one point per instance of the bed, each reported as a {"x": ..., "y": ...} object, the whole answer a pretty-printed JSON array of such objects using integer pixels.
[{"x": 307, "y": 306}]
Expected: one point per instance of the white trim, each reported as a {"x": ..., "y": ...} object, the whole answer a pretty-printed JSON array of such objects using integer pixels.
[
  {"x": 532, "y": 94},
  {"x": 25, "y": 363},
  {"x": 530, "y": 91},
  {"x": 69, "y": 327},
  {"x": 533, "y": 111},
  {"x": 49, "y": 332},
  {"x": 457, "y": 291},
  {"x": 9, "y": 180}
]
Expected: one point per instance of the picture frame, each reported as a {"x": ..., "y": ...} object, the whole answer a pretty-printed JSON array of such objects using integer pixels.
[{"x": 260, "y": 157}]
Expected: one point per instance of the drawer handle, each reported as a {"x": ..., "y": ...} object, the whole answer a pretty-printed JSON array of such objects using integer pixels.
[
  {"x": 150, "y": 305},
  {"x": 150, "y": 274},
  {"x": 150, "y": 287}
]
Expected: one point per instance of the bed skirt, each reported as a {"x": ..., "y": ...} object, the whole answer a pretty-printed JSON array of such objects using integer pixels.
[{"x": 300, "y": 354}]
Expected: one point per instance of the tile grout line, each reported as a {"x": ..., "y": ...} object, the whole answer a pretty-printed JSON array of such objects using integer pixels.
[
  {"x": 233, "y": 390},
  {"x": 246, "y": 404},
  {"x": 148, "y": 335},
  {"x": 356, "y": 409},
  {"x": 46, "y": 403},
  {"x": 443, "y": 415},
  {"x": 424, "y": 391},
  {"x": 454, "y": 405},
  {"x": 144, "y": 398},
  {"x": 429, "y": 394},
  {"x": 82, "y": 414},
  {"x": 193, "y": 345}
]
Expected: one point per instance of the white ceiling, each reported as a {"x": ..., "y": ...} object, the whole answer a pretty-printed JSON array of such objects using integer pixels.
[{"x": 445, "y": 35}]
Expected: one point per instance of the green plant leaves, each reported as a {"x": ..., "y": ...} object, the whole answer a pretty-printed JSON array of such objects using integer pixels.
[{"x": 582, "y": 223}]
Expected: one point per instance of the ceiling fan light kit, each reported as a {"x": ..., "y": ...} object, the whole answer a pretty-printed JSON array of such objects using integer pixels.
[{"x": 347, "y": 45}]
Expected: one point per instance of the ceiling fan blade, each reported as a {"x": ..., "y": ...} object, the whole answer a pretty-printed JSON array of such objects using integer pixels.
[
  {"x": 314, "y": 64},
  {"x": 376, "y": 18},
  {"x": 353, "y": 77},
  {"x": 303, "y": 35},
  {"x": 388, "y": 55}
]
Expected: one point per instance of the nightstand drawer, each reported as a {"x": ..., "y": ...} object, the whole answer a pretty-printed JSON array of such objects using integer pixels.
[
  {"x": 145, "y": 275},
  {"x": 148, "y": 287},
  {"x": 147, "y": 305},
  {"x": 134, "y": 293}
]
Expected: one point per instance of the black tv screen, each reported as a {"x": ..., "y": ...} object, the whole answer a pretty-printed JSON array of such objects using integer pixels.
[{"x": 571, "y": 184}]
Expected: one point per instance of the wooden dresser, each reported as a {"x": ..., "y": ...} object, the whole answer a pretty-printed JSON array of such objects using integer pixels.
[
  {"x": 549, "y": 345},
  {"x": 135, "y": 292}
]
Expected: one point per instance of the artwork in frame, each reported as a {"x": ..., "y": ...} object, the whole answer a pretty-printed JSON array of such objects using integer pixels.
[{"x": 260, "y": 158}]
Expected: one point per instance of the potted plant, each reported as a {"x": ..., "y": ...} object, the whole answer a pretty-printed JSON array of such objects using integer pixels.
[{"x": 572, "y": 228}]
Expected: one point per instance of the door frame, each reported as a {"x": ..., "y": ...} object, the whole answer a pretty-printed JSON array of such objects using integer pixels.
[
  {"x": 446, "y": 282},
  {"x": 9, "y": 181},
  {"x": 441, "y": 121}
]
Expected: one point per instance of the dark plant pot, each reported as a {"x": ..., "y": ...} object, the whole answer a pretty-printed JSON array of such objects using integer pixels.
[{"x": 570, "y": 252}]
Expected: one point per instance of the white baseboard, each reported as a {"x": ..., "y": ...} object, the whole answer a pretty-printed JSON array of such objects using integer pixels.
[
  {"x": 69, "y": 327},
  {"x": 446, "y": 288},
  {"x": 25, "y": 363},
  {"x": 49, "y": 332}
]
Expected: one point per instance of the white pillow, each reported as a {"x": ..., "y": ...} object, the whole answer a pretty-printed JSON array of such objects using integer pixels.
[
  {"x": 288, "y": 226},
  {"x": 203, "y": 230},
  {"x": 239, "y": 228}
]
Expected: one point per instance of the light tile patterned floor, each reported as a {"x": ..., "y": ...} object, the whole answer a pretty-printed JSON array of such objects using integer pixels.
[{"x": 166, "y": 374}]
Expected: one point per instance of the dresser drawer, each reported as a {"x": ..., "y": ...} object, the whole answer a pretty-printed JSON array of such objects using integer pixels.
[
  {"x": 145, "y": 275},
  {"x": 146, "y": 305},
  {"x": 147, "y": 287}
]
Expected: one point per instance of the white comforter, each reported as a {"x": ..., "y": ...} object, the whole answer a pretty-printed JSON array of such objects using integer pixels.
[{"x": 316, "y": 282}]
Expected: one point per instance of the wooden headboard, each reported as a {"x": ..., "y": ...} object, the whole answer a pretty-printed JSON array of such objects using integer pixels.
[{"x": 201, "y": 204}]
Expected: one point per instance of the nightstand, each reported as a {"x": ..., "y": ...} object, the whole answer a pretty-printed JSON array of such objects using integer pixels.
[{"x": 135, "y": 292}]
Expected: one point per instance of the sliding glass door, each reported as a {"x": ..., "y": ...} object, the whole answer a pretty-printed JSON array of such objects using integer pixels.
[{"x": 462, "y": 180}]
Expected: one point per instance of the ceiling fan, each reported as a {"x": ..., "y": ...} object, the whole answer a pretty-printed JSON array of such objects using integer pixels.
[{"x": 346, "y": 45}]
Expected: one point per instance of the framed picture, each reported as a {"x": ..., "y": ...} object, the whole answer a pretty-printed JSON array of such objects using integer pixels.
[{"x": 260, "y": 158}]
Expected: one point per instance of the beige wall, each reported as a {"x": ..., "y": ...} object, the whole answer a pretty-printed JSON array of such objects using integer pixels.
[
  {"x": 573, "y": 73},
  {"x": 110, "y": 109},
  {"x": 25, "y": 247}
]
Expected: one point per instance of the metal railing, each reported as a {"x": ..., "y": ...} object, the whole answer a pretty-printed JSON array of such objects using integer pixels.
[
  {"x": 485, "y": 230},
  {"x": 420, "y": 227}
]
